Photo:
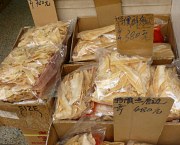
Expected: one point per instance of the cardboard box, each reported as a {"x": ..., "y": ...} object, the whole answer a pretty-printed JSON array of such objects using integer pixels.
[
  {"x": 31, "y": 114},
  {"x": 35, "y": 137},
  {"x": 89, "y": 23},
  {"x": 169, "y": 135}
]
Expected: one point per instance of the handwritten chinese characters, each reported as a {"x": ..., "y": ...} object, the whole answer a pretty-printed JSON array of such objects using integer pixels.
[
  {"x": 143, "y": 105},
  {"x": 37, "y": 3},
  {"x": 29, "y": 109},
  {"x": 134, "y": 34}
]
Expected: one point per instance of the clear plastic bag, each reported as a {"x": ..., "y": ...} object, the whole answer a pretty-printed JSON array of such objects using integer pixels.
[
  {"x": 85, "y": 132},
  {"x": 72, "y": 92},
  {"x": 119, "y": 76},
  {"x": 91, "y": 41},
  {"x": 28, "y": 68},
  {"x": 165, "y": 83},
  {"x": 26, "y": 71},
  {"x": 53, "y": 34},
  {"x": 137, "y": 143},
  {"x": 102, "y": 111}
]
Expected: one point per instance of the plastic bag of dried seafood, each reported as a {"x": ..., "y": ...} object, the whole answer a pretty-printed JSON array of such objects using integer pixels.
[
  {"x": 53, "y": 34},
  {"x": 26, "y": 71},
  {"x": 137, "y": 143},
  {"x": 91, "y": 41},
  {"x": 165, "y": 83},
  {"x": 72, "y": 93},
  {"x": 119, "y": 76},
  {"x": 84, "y": 132}
]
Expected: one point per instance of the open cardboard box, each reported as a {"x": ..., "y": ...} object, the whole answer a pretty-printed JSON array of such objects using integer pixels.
[
  {"x": 169, "y": 134},
  {"x": 90, "y": 23},
  {"x": 32, "y": 114},
  {"x": 33, "y": 117}
]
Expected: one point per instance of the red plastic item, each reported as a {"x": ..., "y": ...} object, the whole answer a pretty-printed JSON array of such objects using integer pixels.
[
  {"x": 98, "y": 138},
  {"x": 158, "y": 37}
]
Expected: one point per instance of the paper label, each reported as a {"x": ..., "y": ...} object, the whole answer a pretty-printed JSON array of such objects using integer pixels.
[
  {"x": 43, "y": 11},
  {"x": 134, "y": 34},
  {"x": 140, "y": 118}
]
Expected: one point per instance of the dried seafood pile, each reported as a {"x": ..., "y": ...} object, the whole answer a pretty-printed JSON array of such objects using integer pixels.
[{"x": 91, "y": 41}]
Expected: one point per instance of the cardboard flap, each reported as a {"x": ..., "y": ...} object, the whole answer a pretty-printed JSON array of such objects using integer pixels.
[
  {"x": 107, "y": 10},
  {"x": 140, "y": 118},
  {"x": 134, "y": 34},
  {"x": 43, "y": 12}
]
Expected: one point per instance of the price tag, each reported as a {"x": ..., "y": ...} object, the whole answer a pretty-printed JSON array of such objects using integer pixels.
[
  {"x": 43, "y": 11},
  {"x": 134, "y": 34},
  {"x": 140, "y": 118}
]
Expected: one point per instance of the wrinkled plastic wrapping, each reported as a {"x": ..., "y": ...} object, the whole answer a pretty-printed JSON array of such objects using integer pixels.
[
  {"x": 162, "y": 51},
  {"x": 120, "y": 76},
  {"x": 84, "y": 133},
  {"x": 165, "y": 83},
  {"x": 102, "y": 111},
  {"x": 22, "y": 71},
  {"x": 137, "y": 143},
  {"x": 26, "y": 70},
  {"x": 72, "y": 93},
  {"x": 53, "y": 34},
  {"x": 160, "y": 22},
  {"x": 91, "y": 41}
]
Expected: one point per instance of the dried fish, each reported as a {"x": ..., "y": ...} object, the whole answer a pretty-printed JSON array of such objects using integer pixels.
[
  {"x": 72, "y": 93},
  {"x": 83, "y": 139},
  {"x": 53, "y": 34},
  {"x": 92, "y": 40},
  {"x": 119, "y": 76},
  {"x": 166, "y": 84}
]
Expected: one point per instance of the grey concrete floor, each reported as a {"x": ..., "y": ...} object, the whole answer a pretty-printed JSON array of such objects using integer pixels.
[{"x": 15, "y": 16}]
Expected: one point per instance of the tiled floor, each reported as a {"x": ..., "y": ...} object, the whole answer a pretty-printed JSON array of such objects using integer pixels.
[{"x": 12, "y": 18}]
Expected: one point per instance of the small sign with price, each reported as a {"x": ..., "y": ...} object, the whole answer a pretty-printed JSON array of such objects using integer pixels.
[
  {"x": 140, "y": 118},
  {"x": 43, "y": 11},
  {"x": 134, "y": 34}
]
